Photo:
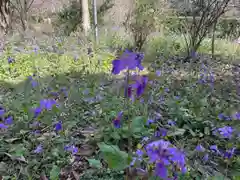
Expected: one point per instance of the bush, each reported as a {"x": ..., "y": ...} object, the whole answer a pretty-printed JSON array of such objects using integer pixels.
[
  {"x": 144, "y": 20},
  {"x": 70, "y": 17},
  {"x": 226, "y": 27}
]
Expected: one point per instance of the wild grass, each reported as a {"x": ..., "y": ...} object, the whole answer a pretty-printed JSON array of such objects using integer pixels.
[{"x": 86, "y": 102}]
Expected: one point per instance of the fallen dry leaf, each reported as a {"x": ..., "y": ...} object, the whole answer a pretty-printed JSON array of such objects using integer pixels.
[
  {"x": 43, "y": 177},
  {"x": 18, "y": 158},
  {"x": 76, "y": 175},
  {"x": 86, "y": 150}
]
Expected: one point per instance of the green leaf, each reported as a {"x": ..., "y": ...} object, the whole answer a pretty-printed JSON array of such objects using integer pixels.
[
  {"x": 11, "y": 140},
  {"x": 116, "y": 136},
  {"x": 138, "y": 124},
  {"x": 178, "y": 132},
  {"x": 218, "y": 178},
  {"x": 206, "y": 131},
  {"x": 54, "y": 173},
  {"x": 115, "y": 158},
  {"x": 95, "y": 163},
  {"x": 108, "y": 148},
  {"x": 19, "y": 150}
]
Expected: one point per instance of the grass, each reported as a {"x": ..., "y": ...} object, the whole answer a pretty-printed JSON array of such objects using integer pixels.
[{"x": 89, "y": 98}]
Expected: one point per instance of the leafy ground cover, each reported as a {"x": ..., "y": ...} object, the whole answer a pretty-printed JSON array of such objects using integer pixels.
[{"x": 87, "y": 116}]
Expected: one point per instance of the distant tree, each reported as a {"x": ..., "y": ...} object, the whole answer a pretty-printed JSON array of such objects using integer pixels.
[
  {"x": 5, "y": 16},
  {"x": 21, "y": 8},
  {"x": 144, "y": 19},
  {"x": 205, "y": 15},
  {"x": 71, "y": 17},
  {"x": 85, "y": 16}
]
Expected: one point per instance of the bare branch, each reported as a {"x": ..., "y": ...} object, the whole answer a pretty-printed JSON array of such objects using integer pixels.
[
  {"x": 30, "y": 4},
  {"x": 209, "y": 11}
]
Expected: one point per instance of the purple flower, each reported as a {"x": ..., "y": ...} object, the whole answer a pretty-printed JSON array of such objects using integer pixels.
[
  {"x": 58, "y": 126},
  {"x": 161, "y": 132},
  {"x": 36, "y": 132},
  {"x": 205, "y": 157},
  {"x": 35, "y": 49},
  {"x": 161, "y": 171},
  {"x": 171, "y": 122},
  {"x": 149, "y": 121},
  {"x": 3, "y": 126},
  {"x": 34, "y": 83},
  {"x": 47, "y": 104},
  {"x": 157, "y": 150},
  {"x": 73, "y": 149},
  {"x": 237, "y": 116},
  {"x": 128, "y": 91},
  {"x": 161, "y": 99},
  {"x": 140, "y": 85},
  {"x": 221, "y": 116},
  {"x": 178, "y": 158},
  {"x": 193, "y": 54},
  {"x": 141, "y": 100},
  {"x": 158, "y": 73},
  {"x": 229, "y": 153},
  {"x": 139, "y": 153},
  {"x": 10, "y": 60},
  {"x": 226, "y": 131},
  {"x": 145, "y": 139},
  {"x": 117, "y": 120},
  {"x": 38, "y": 149},
  {"x": 214, "y": 148},
  {"x": 167, "y": 90},
  {"x": 132, "y": 163},
  {"x": 200, "y": 148},
  {"x": 129, "y": 60},
  {"x": 86, "y": 91},
  {"x": 211, "y": 77},
  {"x": 37, "y": 111},
  {"x": 177, "y": 97},
  {"x": 164, "y": 154},
  {"x": 2, "y": 112},
  {"x": 8, "y": 120},
  {"x": 203, "y": 78}
]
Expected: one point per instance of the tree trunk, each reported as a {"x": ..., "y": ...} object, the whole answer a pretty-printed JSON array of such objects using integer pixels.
[
  {"x": 5, "y": 15},
  {"x": 86, "y": 16},
  {"x": 213, "y": 39}
]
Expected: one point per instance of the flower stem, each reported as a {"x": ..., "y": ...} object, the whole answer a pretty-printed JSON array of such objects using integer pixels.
[
  {"x": 128, "y": 112},
  {"x": 128, "y": 120}
]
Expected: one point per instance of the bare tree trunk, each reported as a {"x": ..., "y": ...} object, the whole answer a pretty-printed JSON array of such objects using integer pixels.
[
  {"x": 5, "y": 15},
  {"x": 213, "y": 39},
  {"x": 86, "y": 16},
  {"x": 22, "y": 7}
]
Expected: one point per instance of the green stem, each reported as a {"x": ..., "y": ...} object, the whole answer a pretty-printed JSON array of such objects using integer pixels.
[
  {"x": 128, "y": 112},
  {"x": 126, "y": 102}
]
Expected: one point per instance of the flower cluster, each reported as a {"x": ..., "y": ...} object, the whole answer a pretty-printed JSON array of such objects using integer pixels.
[
  {"x": 45, "y": 104},
  {"x": 164, "y": 156},
  {"x": 5, "y": 120},
  {"x": 71, "y": 148},
  {"x": 206, "y": 76},
  {"x": 33, "y": 82},
  {"x": 117, "y": 120},
  {"x": 226, "y": 132},
  {"x": 128, "y": 61},
  {"x": 131, "y": 61},
  {"x": 139, "y": 86},
  {"x": 235, "y": 116},
  {"x": 227, "y": 154}
]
